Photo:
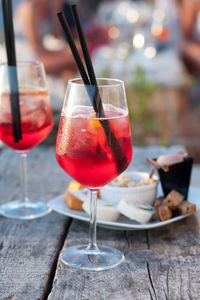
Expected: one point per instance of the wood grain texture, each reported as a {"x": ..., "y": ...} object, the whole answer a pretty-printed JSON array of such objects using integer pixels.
[
  {"x": 163, "y": 263},
  {"x": 29, "y": 249},
  {"x": 46, "y": 179},
  {"x": 118, "y": 283},
  {"x": 175, "y": 266}
]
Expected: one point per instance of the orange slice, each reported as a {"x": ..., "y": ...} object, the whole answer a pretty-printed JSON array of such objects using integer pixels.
[
  {"x": 74, "y": 185},
  {"x": 95, "y": 122}
]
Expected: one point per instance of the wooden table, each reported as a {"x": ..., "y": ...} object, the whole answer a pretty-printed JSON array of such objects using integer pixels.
[{"x": 162, "y": 263}]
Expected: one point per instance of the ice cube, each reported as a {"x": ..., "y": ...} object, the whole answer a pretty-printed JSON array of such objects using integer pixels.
[
  {"x": 34, "y": 115},
  {"x": 5, "y": 110}
]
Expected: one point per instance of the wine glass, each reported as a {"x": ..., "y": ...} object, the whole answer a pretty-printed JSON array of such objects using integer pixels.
[
  {"x": 36, "y": 124},
  {"x": 94, "y": 150}
]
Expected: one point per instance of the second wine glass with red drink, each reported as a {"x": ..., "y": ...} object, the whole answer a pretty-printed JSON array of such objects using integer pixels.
[{"x": 36, "y": 124}]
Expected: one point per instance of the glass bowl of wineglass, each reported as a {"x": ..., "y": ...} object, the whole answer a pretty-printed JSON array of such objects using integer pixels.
[
  {"x": 36, "y": 124},
  {"x": 94, "y": 146}
]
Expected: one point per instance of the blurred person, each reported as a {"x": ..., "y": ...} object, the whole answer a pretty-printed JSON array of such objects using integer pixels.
[
  {"x": 37, "y": 19},
  {"x": 189, "y": 47}
]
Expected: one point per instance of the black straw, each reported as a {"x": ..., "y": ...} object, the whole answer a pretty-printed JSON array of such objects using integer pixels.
[
  {"x": 74, "y": 50},
  {"x": 88, "y": 61},
  {"x": 113, "y": 143},
  {"x": 84, "y": 46},
  {"x": 73, "y": 47},
  {"x": 12, "y": 70}
]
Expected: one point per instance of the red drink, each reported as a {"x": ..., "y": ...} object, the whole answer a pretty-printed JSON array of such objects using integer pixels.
[
  {"x": 36, "y": 118},
  {"x": 82, "y": 149}
]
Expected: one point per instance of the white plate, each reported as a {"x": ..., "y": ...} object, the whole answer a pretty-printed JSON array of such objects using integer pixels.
[{"x": 58, "y": 205}]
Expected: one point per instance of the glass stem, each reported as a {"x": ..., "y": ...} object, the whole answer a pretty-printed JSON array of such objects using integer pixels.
[
  {"x": 92, "y": 226},
  {"x": 23, "y": 176}
]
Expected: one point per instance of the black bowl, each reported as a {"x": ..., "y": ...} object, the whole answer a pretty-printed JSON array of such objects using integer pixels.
[{"x": 177, "y": 178}]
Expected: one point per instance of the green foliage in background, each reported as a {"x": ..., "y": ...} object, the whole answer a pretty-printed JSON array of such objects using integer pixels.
[
  {"x": 143, "y": 89},
  {"x": 145, "y": 123}
]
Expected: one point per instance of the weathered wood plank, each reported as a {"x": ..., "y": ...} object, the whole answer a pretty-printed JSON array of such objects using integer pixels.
[
  {"x": 160, "y": 264},
  {"x": 27, "y": 254},
  {"x": 175, "y": 271},
  {"x": 122, "y": 282},
  {"x": 29, "y": 249},
  {"x": 46, "y": 178}
]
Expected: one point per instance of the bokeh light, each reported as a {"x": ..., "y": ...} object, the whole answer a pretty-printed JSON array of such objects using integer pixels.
[
  {"x": 150, "y": 52},
  {"x": 138, "y": 41},
  {"x": 108, "y": 52},
  {"x": 113, "y": 32},
  {"x": 159, "y": 15},
  {"x": 132, "y": 15},
  {"x": 156, "y": 29},
  {"x": 123, "y": 7},
  {"x": 122, "y": 51}
]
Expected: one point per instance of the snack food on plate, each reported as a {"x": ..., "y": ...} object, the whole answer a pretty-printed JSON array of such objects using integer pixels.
[
  {"x": 72, "y": 201},
  {"x": 173, "y": 203},
  {"x": 186, "y": 208},
  {"x": 76, "y": 197},
  {"x": 141, "y": 213},
  {"x": 124, "y": 181},
  {"x": 158, "y": 202},
  {"x": 133, "y": 185},
  {"x": 73, "y": 197},
  {"x": 173, "y": 199},
  {"x": 163, "y": 212},
  {"x": 105, "y": 211}
]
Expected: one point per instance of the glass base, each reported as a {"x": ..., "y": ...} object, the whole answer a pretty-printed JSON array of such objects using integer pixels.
[
  {"x": 96, "y": 260},
  {"x": 24, "y": 210}
]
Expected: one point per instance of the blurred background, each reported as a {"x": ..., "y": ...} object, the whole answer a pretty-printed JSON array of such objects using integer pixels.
[{"x": 154, "y": 46}]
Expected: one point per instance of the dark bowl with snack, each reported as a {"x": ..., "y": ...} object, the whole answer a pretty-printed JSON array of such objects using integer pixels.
[
  {"x": 177, "y": 177},
  {"x": 174, "y": 171}
]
